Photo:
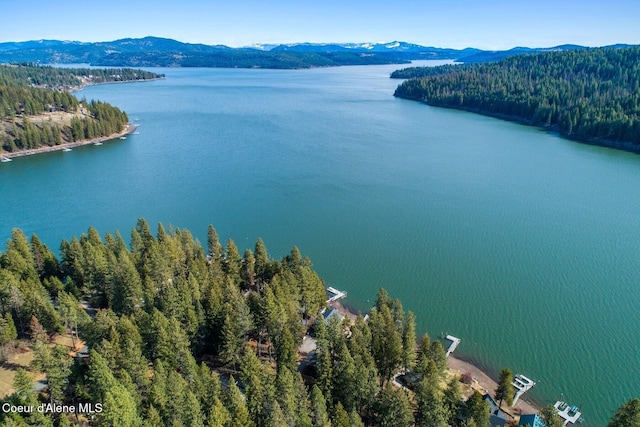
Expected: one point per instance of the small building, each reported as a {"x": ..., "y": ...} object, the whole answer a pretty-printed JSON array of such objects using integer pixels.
[
  {"x": 328, "y": 314},
  {"x": 497, "y": 417},
  {"x": 532, "y": 420}
]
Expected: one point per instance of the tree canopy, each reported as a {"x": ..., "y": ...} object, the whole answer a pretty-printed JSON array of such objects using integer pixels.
[
  {"x": 591, "y": 95},
  {"x": 180, "y": 336},
  {"x": 29, "y": 95}
]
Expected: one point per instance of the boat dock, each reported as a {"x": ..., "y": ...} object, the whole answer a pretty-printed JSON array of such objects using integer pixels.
[
  {"x": 454, "y": 344},
  {"x": 334, "y": 295},
  {"x": 568, "y": 413},
  {"x": 521, "y": 384}
]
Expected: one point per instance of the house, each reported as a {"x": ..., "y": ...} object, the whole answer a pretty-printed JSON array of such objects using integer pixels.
[
  {"x": 328, "y": 314},
  {"x": 497, "y": 417},
  {"x": 532, "y": 420}
]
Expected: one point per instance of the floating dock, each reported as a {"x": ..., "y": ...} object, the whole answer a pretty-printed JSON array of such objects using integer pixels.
[
  {"x": 334, "y": 295},
  {"x": 454, "y": 344},
  {"x": 568, "y": 413},
  {"x": 521, "y": 384}
]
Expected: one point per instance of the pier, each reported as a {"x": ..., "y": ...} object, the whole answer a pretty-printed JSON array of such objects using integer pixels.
[
  {"x": 569, "y": 414},
  {"x": 334, "y": 295},
  {"x": 454, "y": 344},
  {"x": 521, "y": 384}
]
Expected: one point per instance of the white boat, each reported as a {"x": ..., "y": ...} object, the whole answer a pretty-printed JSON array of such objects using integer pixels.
[
  {"x": 136, "y": 133},
  {"x": 66, "y": 150},
  {"x": 123, "y": 137},
  {"x": 5, "y": 159},
  {"x": 97, "y": 143}
]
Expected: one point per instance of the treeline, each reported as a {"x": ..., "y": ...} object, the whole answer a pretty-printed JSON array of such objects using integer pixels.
[
  {"x": 67, "y": 78},
  {"x": 591, "y": 95},
  {"x": 180, "y": 336},
  {"x": 25, "y": 90},
  {"x": 97, "y": 119},
  {"x": 247, "y": 58}
]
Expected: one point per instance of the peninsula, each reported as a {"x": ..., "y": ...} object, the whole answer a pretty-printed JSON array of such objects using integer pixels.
[
  {"x": 590, "y": 95},
  {"x": 168, "y": 333},
  {"x": 39, "y": 114}
]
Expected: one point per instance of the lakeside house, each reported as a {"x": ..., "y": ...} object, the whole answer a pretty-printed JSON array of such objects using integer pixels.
[
  {"x": 498, "y": 417},
  {"x": 532, "y": 420}
]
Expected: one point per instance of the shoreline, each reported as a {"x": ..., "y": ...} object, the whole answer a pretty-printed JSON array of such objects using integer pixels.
[
  {"x": 130, "y": 128},
  {"x": 482, "y": 381},
  {"x": 486, "y": 384},
  {"x": 626, "y": 146}
]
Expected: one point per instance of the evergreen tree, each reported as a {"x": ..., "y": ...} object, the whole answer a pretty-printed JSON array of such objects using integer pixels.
[
  {"x": 504, "y": 390},
  {"x": 430, "y": 408},
  {"x": 386, "y": 343},
  {"x": 320, "y": 416},
  {"x": 628, "y": 415},
  {"x": 550, "y": 416},
  {"x": 476, "y": 410},
  {"x": 393, "y": 409},
  {"x": 409, "y": 342}
]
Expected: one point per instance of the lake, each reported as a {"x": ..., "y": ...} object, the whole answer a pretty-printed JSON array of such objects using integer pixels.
[{"x": 523, "y": 244}]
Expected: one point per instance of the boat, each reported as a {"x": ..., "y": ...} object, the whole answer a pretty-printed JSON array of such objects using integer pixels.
[
  {"x": 123, "y": 137},
  {"x": 66, "y": 150},
  {"x": 568, "y": 413},
  {"x": 136, "y": 133},
  {"x": 5, "y": 159},
  {"x": 97, "y": 143}
]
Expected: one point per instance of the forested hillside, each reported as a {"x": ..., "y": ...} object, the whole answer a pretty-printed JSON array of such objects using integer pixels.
[
  {"x": 180, "y": 336},
  {"x": 591, "y": 95},
  {"x": 37, "y": 110}
]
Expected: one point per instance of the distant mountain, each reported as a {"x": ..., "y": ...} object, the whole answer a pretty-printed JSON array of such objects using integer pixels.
[
  {"x": 163, "y": 52},
  {"x": 55, "y": 51},
  {"x": 406, "y": 51}
]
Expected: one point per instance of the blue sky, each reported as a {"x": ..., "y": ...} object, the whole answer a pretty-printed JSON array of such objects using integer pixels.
[{"x": 454, "y": 23}]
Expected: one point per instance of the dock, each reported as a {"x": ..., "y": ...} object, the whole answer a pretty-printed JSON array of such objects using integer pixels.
[
  {"x": 334, "y": 294},
  {"x": 454, "y": 344},
  {"x": 521, "y": 384},
  {"x": 568, "y": 413}
]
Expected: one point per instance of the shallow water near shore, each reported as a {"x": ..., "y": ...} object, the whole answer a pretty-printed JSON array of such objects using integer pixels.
[{"x": 521, "y": 243}]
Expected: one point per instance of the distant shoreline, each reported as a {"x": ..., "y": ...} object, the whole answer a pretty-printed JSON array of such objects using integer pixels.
[
  {"x": 627, "y": 146},
  {"x": 130, "y": 128}
]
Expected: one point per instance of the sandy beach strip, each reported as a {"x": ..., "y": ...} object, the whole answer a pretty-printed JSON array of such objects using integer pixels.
[
  {"x": 485, "y": 384},
  {"x": 130, "y": 128}
]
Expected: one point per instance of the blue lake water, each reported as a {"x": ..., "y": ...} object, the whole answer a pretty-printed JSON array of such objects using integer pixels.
[{"x": 523, "y": 244}]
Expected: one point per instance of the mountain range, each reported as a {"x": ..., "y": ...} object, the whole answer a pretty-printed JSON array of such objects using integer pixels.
[{"x": 163, "y": 52}]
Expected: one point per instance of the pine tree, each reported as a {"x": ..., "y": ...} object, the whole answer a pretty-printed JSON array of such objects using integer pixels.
[
  {"x": 393, "y": 409},
  {"x": 319, "y": 408},
  {"x": 628, "y": 415},
  {"x": 477, "y": 410},
  {"x": 386, "y": 343},
  {"x": 409, "y": 342},
  {"x": 504, "y": 390},
  {"x": 430, "y": 408}
]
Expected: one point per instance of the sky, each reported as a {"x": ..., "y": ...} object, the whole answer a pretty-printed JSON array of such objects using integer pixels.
[{"x": 497, "y": 24}]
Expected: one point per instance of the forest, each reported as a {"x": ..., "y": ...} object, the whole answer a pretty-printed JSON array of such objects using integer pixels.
[
  {"x": 29, "y": 95},
  {"x": 177, "y": 335},
  {"x": 591, "y": 95}
]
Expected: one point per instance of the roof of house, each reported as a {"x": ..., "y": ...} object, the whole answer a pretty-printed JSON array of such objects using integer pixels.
[{"x": 532, "y": 420}]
